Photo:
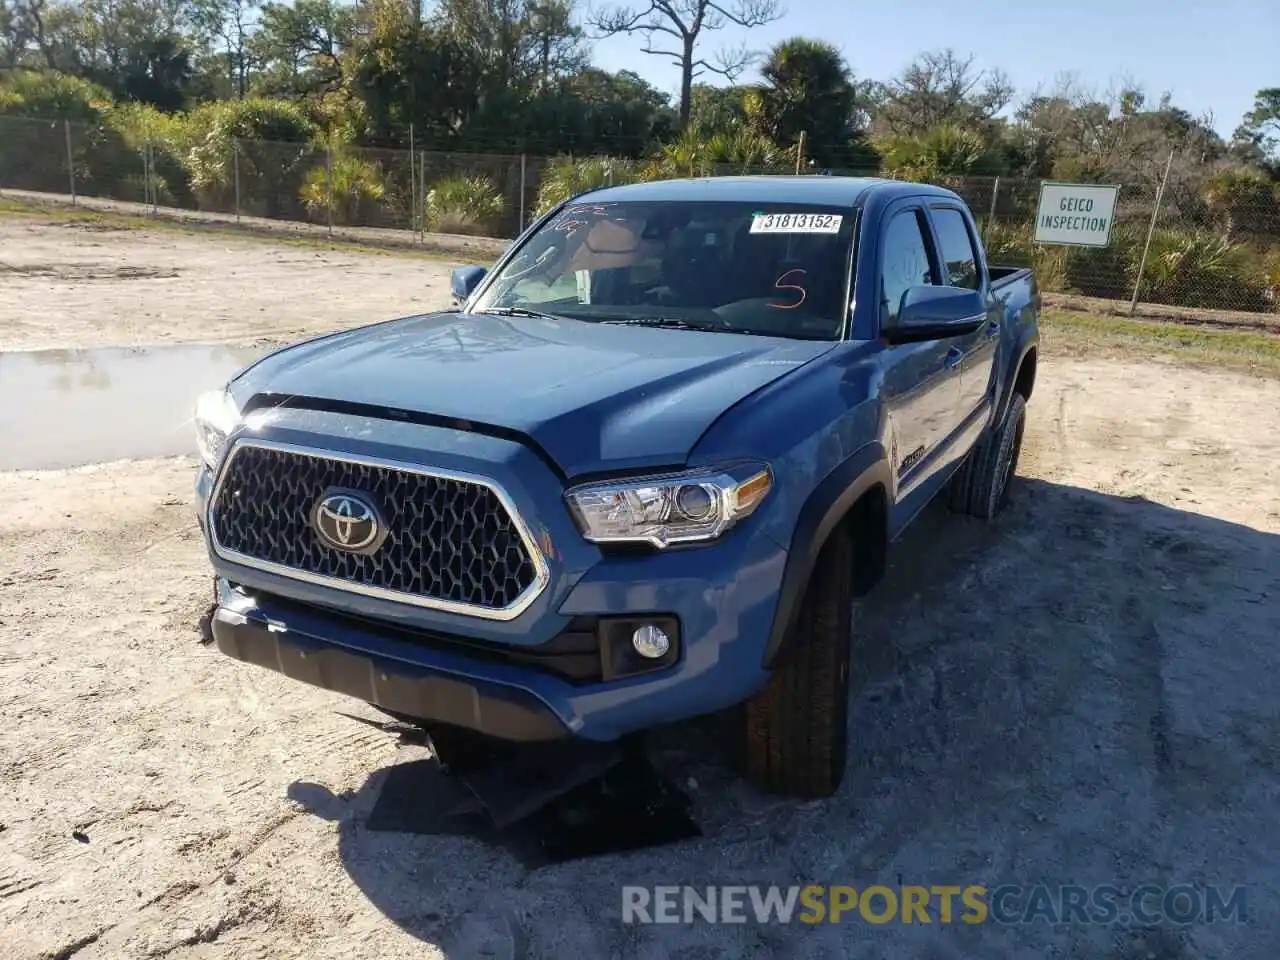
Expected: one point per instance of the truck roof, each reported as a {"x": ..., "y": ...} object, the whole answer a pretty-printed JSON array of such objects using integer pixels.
[{"x": 810, "y": 188}]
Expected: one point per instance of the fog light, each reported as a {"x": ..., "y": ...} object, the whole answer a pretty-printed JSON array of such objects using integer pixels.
[{"x": 650, "y": 642}]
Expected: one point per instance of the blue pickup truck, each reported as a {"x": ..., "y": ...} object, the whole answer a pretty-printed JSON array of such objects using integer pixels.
[{"x": 638, "y": 473}]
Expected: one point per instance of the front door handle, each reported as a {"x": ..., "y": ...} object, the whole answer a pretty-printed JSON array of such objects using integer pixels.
[
  {"x": 954, "y": 356},
  {"x": 993, "y": 331}
]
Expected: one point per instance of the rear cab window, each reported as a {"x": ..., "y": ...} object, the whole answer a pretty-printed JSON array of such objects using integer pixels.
[{"x": 959, "y": 254}]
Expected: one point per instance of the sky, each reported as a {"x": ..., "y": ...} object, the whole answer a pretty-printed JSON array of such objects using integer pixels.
[{"x": 1211, "y": 56}]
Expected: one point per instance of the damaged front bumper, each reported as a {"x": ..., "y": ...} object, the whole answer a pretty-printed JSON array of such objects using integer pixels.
[{"x": 302, "y": 648}]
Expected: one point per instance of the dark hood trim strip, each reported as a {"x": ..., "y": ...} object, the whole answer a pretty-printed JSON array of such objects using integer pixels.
[{"x": 262, "y": 401}]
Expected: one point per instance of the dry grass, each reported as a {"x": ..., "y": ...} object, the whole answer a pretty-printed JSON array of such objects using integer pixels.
[
  {"x": 402, "y": 243},
  {"x": 1084, "y": 335}
]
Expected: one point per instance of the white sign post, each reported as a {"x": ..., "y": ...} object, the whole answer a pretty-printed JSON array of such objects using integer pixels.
[{"x": 1075, "y": 214}]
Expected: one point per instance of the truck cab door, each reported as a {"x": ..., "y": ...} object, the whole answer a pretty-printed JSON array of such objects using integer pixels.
[
  {"x": 921, "y": 381},
  {"x": 962, "y": 266}
]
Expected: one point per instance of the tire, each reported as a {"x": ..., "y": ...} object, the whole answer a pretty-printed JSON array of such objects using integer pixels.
[
  {"x": 981, "y": 487},
  {"x": 797, "y": 726}
]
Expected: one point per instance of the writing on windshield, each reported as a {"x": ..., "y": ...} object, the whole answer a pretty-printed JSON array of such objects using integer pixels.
[{"x": 768, "y": 269}]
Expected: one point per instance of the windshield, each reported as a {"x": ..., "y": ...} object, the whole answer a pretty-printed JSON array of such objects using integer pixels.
[{"x": 768, "y": 269}]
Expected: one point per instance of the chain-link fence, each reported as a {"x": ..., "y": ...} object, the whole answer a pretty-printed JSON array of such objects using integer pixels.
[{"x": 1211, "y": 244}]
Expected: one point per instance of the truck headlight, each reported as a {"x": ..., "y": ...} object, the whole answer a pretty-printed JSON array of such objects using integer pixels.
[
  {"x": 673, "y": 508},
  {"x": 216, "y": 416}
]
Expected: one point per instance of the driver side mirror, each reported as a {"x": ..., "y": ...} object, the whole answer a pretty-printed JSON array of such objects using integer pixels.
[
  {"x": 464, "y": 281},
  {"x": 935, "y": 313}
]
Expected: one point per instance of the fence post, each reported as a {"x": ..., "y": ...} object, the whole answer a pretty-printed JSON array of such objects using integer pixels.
[
  {"x": 1151, "y": 229},
  {"x": 152, "y": 180},
  {"x": 71, "y": 164},
  {"x": 991, "y": 216},
  {"x": 799, "y": 153},
  {"x": 522, "y": 188},
  {"x": 413, "y": 189},
  {"x": 328, "y": 179},
  {"x": 235, "y": 163},
  {"x": 422, "y": 194}
]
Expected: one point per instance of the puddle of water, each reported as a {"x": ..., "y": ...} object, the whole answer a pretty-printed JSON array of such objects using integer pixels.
[{"x": 66, "y": 408}]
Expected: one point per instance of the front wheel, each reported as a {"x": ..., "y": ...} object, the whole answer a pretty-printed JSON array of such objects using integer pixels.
[
  {"x": 981, "y": 487},
  {"x": 797, "y": 726}
]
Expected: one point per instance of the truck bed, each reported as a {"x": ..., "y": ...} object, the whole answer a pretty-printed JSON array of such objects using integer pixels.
[{"x": 1003, "y": 276}]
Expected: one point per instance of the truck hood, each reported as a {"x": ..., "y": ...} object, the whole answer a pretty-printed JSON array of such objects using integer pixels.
[{"x": 592, "y": 396}]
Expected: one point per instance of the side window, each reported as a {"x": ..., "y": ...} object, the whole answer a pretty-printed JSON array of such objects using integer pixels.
[
  {"x": 906, "y": 260},
  {"x": 960, "y": 262}
]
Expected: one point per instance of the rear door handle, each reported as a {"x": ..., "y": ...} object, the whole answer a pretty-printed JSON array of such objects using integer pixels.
[{"x": 954, "y": 356}]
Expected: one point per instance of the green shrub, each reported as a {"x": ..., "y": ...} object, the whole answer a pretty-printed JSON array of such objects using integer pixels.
[
  {"x": 688, "y": 156},
  {"x": 742, "y": 150},
  {"x": 1197, "y": 269},
  {"x": 1007, "y": 244},
  {"x": 269, "y": 140},
  {"x": 735, "y": 151},
  {"x": 467, "y": 205},
  {"x": 168, "y": 136},
  {"x": 565, "y": 177},
  {"x": 35, "y": 107},
  {"x": 944, "y": 151},
  {"x": 1245, "y": 202},
  {"x": 1107, "y": 272},
  {"x": 47, "y": 95},
  {"x": 1188, "y": 269},
  {"x": 358, "y": 185}
]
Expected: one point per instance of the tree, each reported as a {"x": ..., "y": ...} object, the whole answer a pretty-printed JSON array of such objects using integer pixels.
[
  {"x": 407, "y": 71},
  {"x": 617, "y": 113},
  {"x": 1076, "y": 134},
  {"x": 807, "y": 89},
  {"x": 556, "y": 41},
  {"x": 133, "y": 48},
  {"x": 157, "y": 72},
  {"x": 52, "y": 96},
  {"x": 22, "y": 34},
  {"x": 1261, "y": 125},
  {"x": 940, "y": 87},
  {"x": 590, "y": 112},
  {"x": 716, "y": 109},
  {"x": 299, "y": 46},
  {"x": 518, "y": 45},
  {"x": 231, "y": 25},
  {"x": 685, "y": 22}
]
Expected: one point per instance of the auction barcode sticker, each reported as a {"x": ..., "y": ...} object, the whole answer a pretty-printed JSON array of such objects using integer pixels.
[{"x": 796, "y": 223}]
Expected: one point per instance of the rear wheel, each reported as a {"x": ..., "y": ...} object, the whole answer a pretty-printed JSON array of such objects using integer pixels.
[
  {"x": 797, "y": 726},
  {"x": 981, "y": 487}
]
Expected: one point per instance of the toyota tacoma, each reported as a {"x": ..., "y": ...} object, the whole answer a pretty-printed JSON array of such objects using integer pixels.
[{"x": 639, "y": 472}]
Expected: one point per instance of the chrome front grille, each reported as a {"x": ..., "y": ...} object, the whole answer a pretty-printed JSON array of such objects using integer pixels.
[{"x": 453, "y": 542}]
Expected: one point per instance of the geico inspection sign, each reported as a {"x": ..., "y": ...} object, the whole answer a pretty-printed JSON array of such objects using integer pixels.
[{"x": 1077, "y": 214}]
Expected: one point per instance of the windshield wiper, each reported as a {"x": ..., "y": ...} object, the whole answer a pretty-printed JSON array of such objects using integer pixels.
[
  {"x": 676, "y": 323},
  {"x": 520, "y": 312},
  {"x": 673, "y": 323}
]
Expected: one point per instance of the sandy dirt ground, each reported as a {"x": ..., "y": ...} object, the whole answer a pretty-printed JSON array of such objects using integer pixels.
[
  {"x": 72, "y": 284},
  {"x": 1085, "y": 692}
]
